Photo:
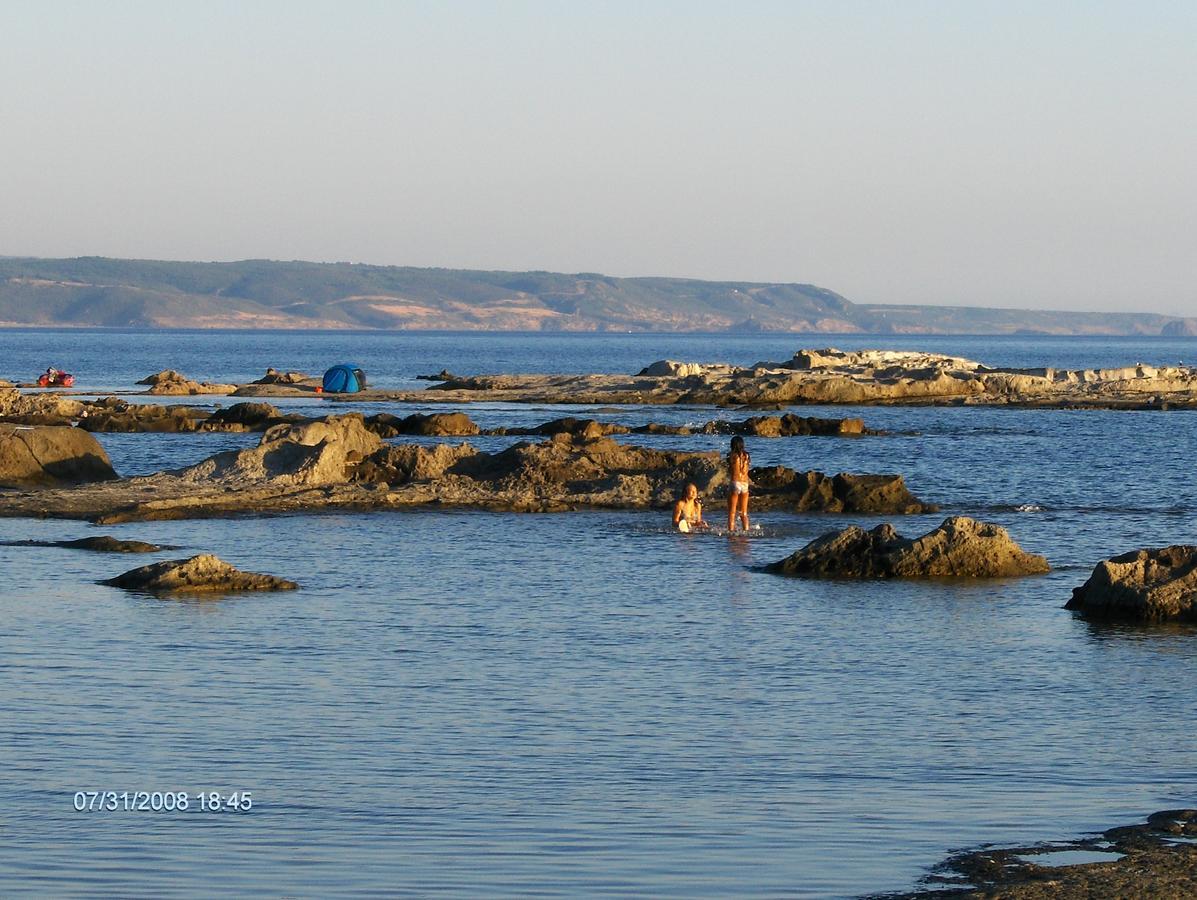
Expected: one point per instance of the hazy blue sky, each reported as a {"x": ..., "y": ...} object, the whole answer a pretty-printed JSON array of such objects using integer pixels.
[{"x": 1038, "y": 154}]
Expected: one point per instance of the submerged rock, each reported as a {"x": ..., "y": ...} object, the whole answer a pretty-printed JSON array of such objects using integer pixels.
[
  {"x": 1142, "y": 586},
  {"x": 101, "y": 544},
  {"x": 959, "y": 548},
  {"x": 51, "y": 455},
  {"x": 205, "y": 573}
]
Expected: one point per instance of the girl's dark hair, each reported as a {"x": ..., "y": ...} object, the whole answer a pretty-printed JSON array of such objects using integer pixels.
[{"x": 737, "y": 445}]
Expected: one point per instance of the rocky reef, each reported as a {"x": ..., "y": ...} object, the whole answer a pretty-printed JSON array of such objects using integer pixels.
[
  {"x": 340, "y": 462},
  {"x": 199, "y": 574},
  {"x": 170, "y": 382},
  {"x": 958, "y": 548},
  {"x": 826, "y": 376},
  {"x": 832, "y": 376},
  {"x": 1156, "y": 585},
  {"x": 1157, "y": 859},
  {"x": 114, "y": 414}
]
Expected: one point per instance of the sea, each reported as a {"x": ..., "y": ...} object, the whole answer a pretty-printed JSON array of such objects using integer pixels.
[{"x": 459, "y": 703}]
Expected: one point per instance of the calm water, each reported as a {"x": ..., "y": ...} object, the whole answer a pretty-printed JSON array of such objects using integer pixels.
[{"x": 588, "y": 702}]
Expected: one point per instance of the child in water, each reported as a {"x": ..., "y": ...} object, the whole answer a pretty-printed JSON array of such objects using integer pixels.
[
  {"x": 687, "y": 512},
  {"x": 738, "y": 462}
]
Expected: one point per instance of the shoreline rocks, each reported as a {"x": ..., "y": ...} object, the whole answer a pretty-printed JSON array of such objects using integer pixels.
[
  {"x": 959, "y": 548},
  {"x": 1154, "y": 859},
  {"x": 1154, "y": 585},
  {"x": 338, "y": 462},
  {"x": 204, "y": 573},
  {"x": 170, "y": 382},
  {"x": 831, "y": 376},
  {"x": 51, "y": 455}
]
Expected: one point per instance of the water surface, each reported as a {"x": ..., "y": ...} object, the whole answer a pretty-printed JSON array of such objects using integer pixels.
[{"x": 459, "y": 701}]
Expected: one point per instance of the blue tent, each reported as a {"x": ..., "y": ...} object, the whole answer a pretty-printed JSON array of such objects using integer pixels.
[{"x": 344, "y": 379}]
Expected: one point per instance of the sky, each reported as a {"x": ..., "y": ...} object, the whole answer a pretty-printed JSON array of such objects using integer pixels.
[{"x": 1019, "y": 154}]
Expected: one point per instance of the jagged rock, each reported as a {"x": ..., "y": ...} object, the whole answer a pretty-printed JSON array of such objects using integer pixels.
[
  {"x": 602, "y": 472},
  {"x": 779, "y": 486},
  {"x": 51, "y": 455},
  {"x": 274, "y": 376},
  {"x": 36, "y": 409},
  {"x": 1152, "y": 585},
  {"x": 308, "y": 453},
  {"x": 172, "y": 383},
  {"x": 338, "y": 463},
  {"x": 101, "y": 544},
  {"x": 241, "y": 417},
  {"x": 959, "y": 548},
  {"x": 203, "y": 573},
  {"x": 453, "y": 424},
  {"x": 139, "y": 418}
]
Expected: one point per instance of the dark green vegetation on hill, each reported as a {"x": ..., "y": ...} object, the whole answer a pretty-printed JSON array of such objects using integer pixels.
[{"x": 94, "y": 291}]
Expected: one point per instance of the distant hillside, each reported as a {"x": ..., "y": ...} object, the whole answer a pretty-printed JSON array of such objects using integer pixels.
[{"x": 93, "y": 291}]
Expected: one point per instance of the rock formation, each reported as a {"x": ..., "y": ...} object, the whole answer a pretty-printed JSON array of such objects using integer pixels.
[
  {"x": 170, "y": 382},
  {"x": 274, "y": 376},
  {"x": 120, "y": 416},
  {"x": 100, "y": 544},
  {"x": 1142, "y": 586},
  {"x": 672, "y": 369},
  {"x": 453, "y": 424},
  {"x": 310, "y": 453},
  {"x": 50, "y": 455},
  {"x": 959, "y": 548},
  {"x": 246, "y": 417},
  {"x": 199, "y": 574},
  {"x": 38, "y": 409},
  {"x": 339, "y": 463},
  {"x": 832, "y": 376}
]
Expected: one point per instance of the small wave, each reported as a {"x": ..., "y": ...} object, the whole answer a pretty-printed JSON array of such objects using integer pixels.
[{"x": 1028, "y": 507}]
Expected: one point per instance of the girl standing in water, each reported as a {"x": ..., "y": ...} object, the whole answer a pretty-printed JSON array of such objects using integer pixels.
[{"x": 738, "y": 462}]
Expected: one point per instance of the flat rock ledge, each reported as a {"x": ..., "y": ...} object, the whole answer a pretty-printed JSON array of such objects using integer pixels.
[
  {"x": 101, "y": 544},
  {"x": 959, "y": 548},
  {"x": 1154, "y": 585},
  {"x": 199, "y": 574},
  {"x": 339, "y": 463},
  {"x": 832, "y": 376},
  {"x": 1155, "y": 859}
]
